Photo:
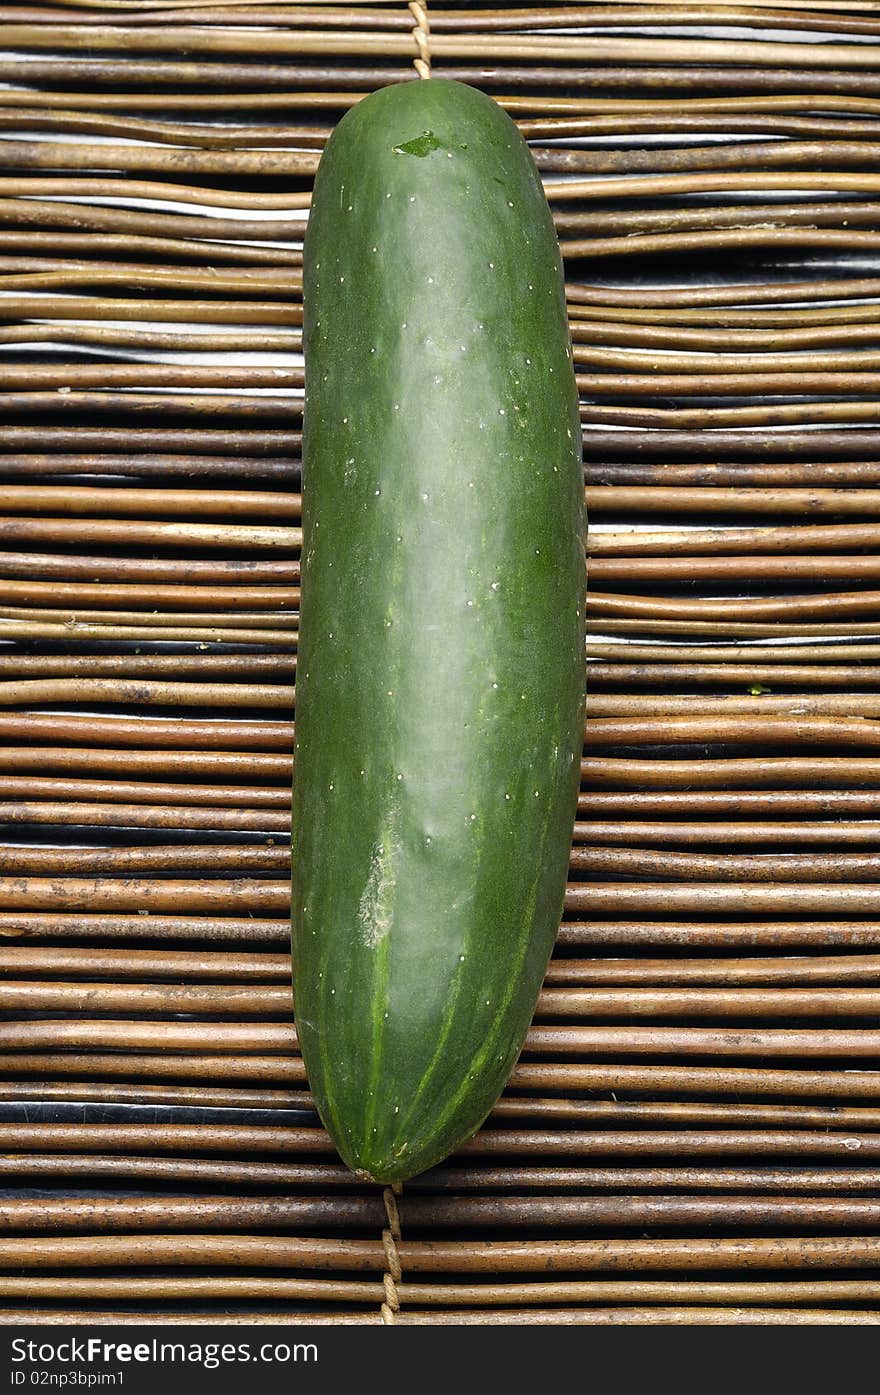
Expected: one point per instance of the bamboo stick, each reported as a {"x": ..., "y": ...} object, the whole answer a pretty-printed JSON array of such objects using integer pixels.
[
  {"x": 578, "y": 1003},
  {"x": 203, "y": 999},
  {"x": 238, "y": 571},
  {"x": 625, "y": 1213},
  {"x": 439, "y": 1256},
  {"x": 249, "y": 930},
  {"x": 144, "y": 466},
  {"x": 88, "y": 307},
  {"x": 638, "y": 1317},
  {"x": 771, "y": 1043},
  {"x": 229, "y": 765},
  {"x": 198, "y": 1096},
  {"x": 827, "y": 803},
  {"x": 696, "y": 898},
  {"x": 536, "y": 1110},
  {"x": 171, "y": 731},
  {"x": 706, "y": 499},
  {"x": 834, "y": 732},
  {"x": 190, "y": 1251},
  {"x": 629, "y": 1180},
  {"x": 213, "y": 965},
  {"x": 562, "y": 47},
  {"x": 735, "y": 676},
  {"x": 804, "y": 383},
  {"x": 637, "y": 1292},
  {"x": 151, "y": 792},
  {"x": 726, "y": 541},
  {"x": 827, "y": 443},
  {"x": 233, "y": 896},
  {"x": 838, "y": 475},
  {"x": 692, "y": 833},
  {"x": 69, "y": 626},
  {"x": 122, "y": 691},
  {"x": 193, "y": 1288},
  {"x": 85, "y": 500},
  {"x": 69, "y": 813},
  {"x": 284, "y": 1070},
  {"x": 759, "y": 934},
  {"x": 159, "y": 248},
  {"x": 114, "y": 1215},
  {"x": 119, "y": 1216},
  {"x": 148, "y": 534},
  {"x": 690, "y": 1079},
  {"x": 104, "y": 596},
  {"x": 604, "y": 1004},
  {"x": 632, "y": 334},
  {"x": 834, "y": 969},
  {"x": 157, "y": 859},
  {"x": 754, "y": 867},
  {"x": 816, "y": 658},
  {"x": 678, "y": 567},
  {"x": 733, "y": 773},
  {"x": 139, "y": 441},
  {"x": 629, "y": 705}
]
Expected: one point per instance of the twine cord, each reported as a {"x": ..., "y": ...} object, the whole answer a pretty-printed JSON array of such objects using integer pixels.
[
  {"x": 422, "y": 36},
  {"x": 390, "y": 1236}
]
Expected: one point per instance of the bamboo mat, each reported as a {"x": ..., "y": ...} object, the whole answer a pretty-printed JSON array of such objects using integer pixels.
[{"x": 693, "y": 1132}]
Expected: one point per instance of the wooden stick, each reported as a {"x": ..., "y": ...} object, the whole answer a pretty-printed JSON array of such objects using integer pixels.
[
  {"x": 628, "y": 705},
  {"x": 171, "y": 731},
  {"x": 460, "y": 1212},
  {"x": 143, "y": 694},
  {"x": 726, "y": 541},
  {"x": 231, "y": 571},
  {"x": 603, "y": 1004},
  {"x": 626, "y": 1180},
  {"x": 172, "y": 998},
  {"x": 825, "y": 803},
  {"x": 126, "y": 532},
  {"x": 285, "y": 1070},
  {"x": 231, "y": 765},
  {"x": 760, "y": 934},
  {"x": 742, "y": 475},
  {"x": 690, "y": 1079},
  {"x": 635, "y": 899},
  {"x": 138, "y": 441},
  {"x": 157, "y": 859},
  {"x": 55, "y": 813},
  {"x": 562, "y": 48},
  {"x": 86, "y": 307},
  {"x": 725, "y": 445},
  {"x": 791, "y": 730},
  {"x": 809, "y": 772},
  {"x": 193, "y": 1251},
  {"x": 213, "y": 965},
  {"x": 144, "y": 792},
  {"x": 127, "y": 596},
  {"x": 693, "y": 833},
  {"x": 788, "y": 969},
  {"x": 63, "y": 925},
  {"x": 708, "y": 500},
  {"x": 229, "y": 896},
  {"x": 633, "y": 1317},
  {"x": 81, "y": 500},
  {"x": 679, "y": 567},
  {"x": 754, "y": 867}
]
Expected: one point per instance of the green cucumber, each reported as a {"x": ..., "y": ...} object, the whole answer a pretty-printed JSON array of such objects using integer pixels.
[{"x": 441, "y": 657}]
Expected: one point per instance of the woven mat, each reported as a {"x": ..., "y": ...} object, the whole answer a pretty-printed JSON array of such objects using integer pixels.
[{"x": 693, "y": 1131}]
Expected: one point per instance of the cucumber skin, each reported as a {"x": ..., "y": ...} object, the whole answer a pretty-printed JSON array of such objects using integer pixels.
[{"x": 440, "y": 677}]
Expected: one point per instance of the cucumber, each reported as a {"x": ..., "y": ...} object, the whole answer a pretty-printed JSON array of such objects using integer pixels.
[{"x": 441, "y": 665}]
